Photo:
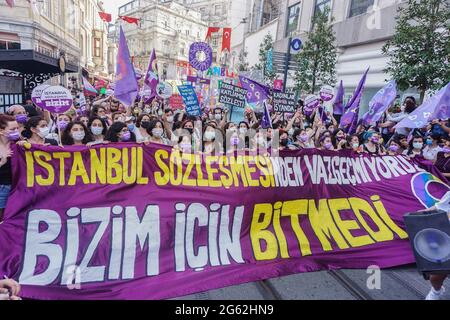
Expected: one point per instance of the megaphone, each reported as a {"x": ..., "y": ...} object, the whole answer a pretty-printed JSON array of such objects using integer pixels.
[{"x": 429, "y": 234}]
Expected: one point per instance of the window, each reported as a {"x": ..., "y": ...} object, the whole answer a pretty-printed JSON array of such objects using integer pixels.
[
  {"x": 293, "y": 19},
  {"x": 45, "y": 8},
  {"x": 9, "y": 45},
  {"x": 321, "y": 5},
  {"x": 359, "y": 7},
  {"x": 217, "y": 9},
  {"x": 97, "y": 47}
]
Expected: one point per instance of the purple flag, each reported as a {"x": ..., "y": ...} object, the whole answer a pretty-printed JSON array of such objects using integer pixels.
[
  {"x": 338, "y": 105},
  {"x": 436, "y": 107},
  {"x": 350, "y": 118},
  {"x": 266, "y": 121},
  {"x": 126, "y": 89},
  {"x": 380, "y": 103},
  {"x": 323, "y": 114},
  {"x": 256, "y": 91},
  {"x": 151, "y": 77}
]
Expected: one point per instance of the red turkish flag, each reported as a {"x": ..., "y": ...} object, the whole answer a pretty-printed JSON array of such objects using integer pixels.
[
  {"x": 211, "y": 30},
  {"x": 105, "y": 16},
  {"x": 130, "y": 19},
  {"x": 226, "y": 39}
]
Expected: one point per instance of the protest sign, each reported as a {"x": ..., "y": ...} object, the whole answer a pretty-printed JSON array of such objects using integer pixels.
[
  {"x": 190, "y": 100},
  {"x": 311, "y": 104},
  {"x": 327, "y": 93},
  {"x": 176, "y": 102},
  {"x": 284, "y": 102},
  {"x": 56, "y": 99},
  {"x": 232, "y": 95},
  {"x": 36, "y": 95},
  {"x": 147, "y": 222},
  {"x": 200, "y": 56},
  {"x": 164, "y": 90}
]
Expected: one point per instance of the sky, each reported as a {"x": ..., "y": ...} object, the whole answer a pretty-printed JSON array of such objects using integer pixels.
[{"x": 112, "y": 6}]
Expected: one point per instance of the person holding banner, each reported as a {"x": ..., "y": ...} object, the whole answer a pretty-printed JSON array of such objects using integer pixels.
[
  {"x": 18, "y": 112},
  {"x": 416, "y": 146},
  {"x": 9, "y": 133},
  {"x": 142, "y": 123},
  {"x": 119, "y": 132},
  {"x": 372, "y": 145},
  {"x": 442, "y": 162},
  {"x": 36, "y": 131},
  {"x": 76, "y": 134},
  {"x": 9, "y": 290},
  {"x": 156, "y": 133},
  {"x": 325, "y": 143},
  {"x": 210, "y": 144},
  {"x": 98, "y": 129},
  {"x": 394, "y": 148}
]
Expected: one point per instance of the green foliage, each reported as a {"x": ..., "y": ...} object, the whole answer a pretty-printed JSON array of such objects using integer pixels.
[
  {"x": 420, "y": 48},
  {"x": 317, "y": 60}
]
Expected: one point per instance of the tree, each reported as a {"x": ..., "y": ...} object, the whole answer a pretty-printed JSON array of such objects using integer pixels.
[
  {"x": 264, "y": 48},
  {"x": 243, "y": 64},
  {"x": 318, "y": 57},
  {"x": 420, "y": 48}
]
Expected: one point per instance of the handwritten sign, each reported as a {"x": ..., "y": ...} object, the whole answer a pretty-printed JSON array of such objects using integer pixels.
[
  {"x": 190, "y": 100},
  {"x": 232, "y": 95},
  {"x": 284, "y": 102}
]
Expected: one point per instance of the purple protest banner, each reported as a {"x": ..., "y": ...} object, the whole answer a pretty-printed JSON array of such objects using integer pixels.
[
  {"x": 56, "y": 99},
  {"x": 350, "y": 117},
  {"x": 338, "y": 105},
  {"x": 436, "y": 107},
  {"x": 311, "y": 103},
  {"x": 327, "y": 93},
  {"x": 151, "y": 80},
  {"x": 128, "y": 221},
  {"x": 36, "y": 95},
  {"x": 200, "y": 56},
  {"x": 126, "y": 87},
  {"x": 380, "y": 103},
  {"x": 256, "y": 92}
]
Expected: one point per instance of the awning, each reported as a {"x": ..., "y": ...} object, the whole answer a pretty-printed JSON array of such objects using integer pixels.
[{"x": 32, "y": 62}]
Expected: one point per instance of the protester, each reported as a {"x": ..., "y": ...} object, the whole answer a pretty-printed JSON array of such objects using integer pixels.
[
  {"x": 9, "y": 133},
  {"x": 119, "y": 132},
  {"x": 9, "y": 290},
  {"x": 415, "y": 148},
  {"x": 432, "y": 147},
  {"x": 36, "y": 131},
  {"x": 442, "y": 162},
  {"x": 98, "y": 129},
  {"x": 20, "y": 114},
  {"x": 76, "y": 134},
  {"x": 372, "y": 145},
  {"x": 142, "y": 124}
]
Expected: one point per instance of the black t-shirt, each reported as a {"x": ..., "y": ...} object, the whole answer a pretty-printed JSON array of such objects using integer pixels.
[
  {"x": 52, "y": 142},
  {"x": 6, "y": 173}
]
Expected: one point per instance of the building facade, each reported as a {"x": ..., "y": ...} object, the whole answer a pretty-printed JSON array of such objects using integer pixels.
[
  {"x": 93, "y": 40},
  {"x": 33, "y": 40},
  {"x": 168, "y": 27},
  {"x": 362, "y": 28}
]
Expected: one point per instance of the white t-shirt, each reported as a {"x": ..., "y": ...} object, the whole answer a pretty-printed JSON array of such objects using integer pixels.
[{"x": 430, "y": 153}]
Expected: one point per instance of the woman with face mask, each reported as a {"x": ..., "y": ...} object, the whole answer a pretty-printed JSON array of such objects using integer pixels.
[
  {"x": 9, "y": 133},
  {"x": 394, "y": 148},
  {"x": 142, "y": 123},
  {"x": 20, "y": 114},
  {"x": 432, "y": 147},
  {"x": 372, "y": 145},
  {"x": 184, "y": 144},
  {"x": 326, "y": 143},
  {"x": 416, "y": 146},
  {"x": 354, "y": 143},
  {"x": 209, "y": 139},
  {"x": 156, "y": 132},
  {"x": 442, "y": 162},
  {"x": 36, "y": 131},
  {"x": 338, "y": 138},
  {"x": 76, "y": 134},
  {"x": 98, "y": 129},
  {"x": 119, "y": 132}
]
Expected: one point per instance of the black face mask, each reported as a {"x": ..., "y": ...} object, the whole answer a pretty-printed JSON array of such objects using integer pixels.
[
  {"x": 145, "y": 124},
  {"x": 284, "y": 142},
  {"x": 190, "y": 130}
]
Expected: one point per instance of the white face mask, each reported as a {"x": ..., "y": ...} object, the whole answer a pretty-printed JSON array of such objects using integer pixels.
[
  {"x": 261, "y": 141},
  {"x": 291, "y": 132},
  {"x": 157, "y": 132},
  {"x": 218, "y": 117},
  {"x": 43, "y": 132},
  {"x": 97, "y": 130},
  {"x": 78, "y": 136},
  {"x": 210, "y": 135},
  {"x": 243, "y": 130}
]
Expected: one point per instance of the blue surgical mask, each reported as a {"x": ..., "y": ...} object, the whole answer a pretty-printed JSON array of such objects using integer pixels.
[{"x": 131, "y": 127}]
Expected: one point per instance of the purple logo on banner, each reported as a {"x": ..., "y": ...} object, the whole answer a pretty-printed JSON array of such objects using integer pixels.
[
  {"x": 311, "y": 103},
  {"x": 200, "y": 56},
  {"x": 36, "y": 95},
  {"x": 327, "y": 93},
  {"x": 56, "y": 99}
]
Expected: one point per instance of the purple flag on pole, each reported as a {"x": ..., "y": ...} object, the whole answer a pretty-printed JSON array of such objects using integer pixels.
[
  {"x": 151, "y": 77},
  {"x": 338, "y": 105},
  {"x": 436, "y": 107},
  {"x": 350, "y": 119},
  {"x": 256, "y": 92},
  {"x": 266, "y": 121},
  {"x": 127, "y": 88},
  {"x": 380, "y": 103}
]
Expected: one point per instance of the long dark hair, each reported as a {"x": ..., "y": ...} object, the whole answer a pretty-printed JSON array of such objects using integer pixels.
[
  {"x": 33, "y": 122},
  {"x": 67, "y": 139},
  {"x": 104, "y": 124},
  {"x": 152, "y": 126},
  {"x": 113, "y": 132}
]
